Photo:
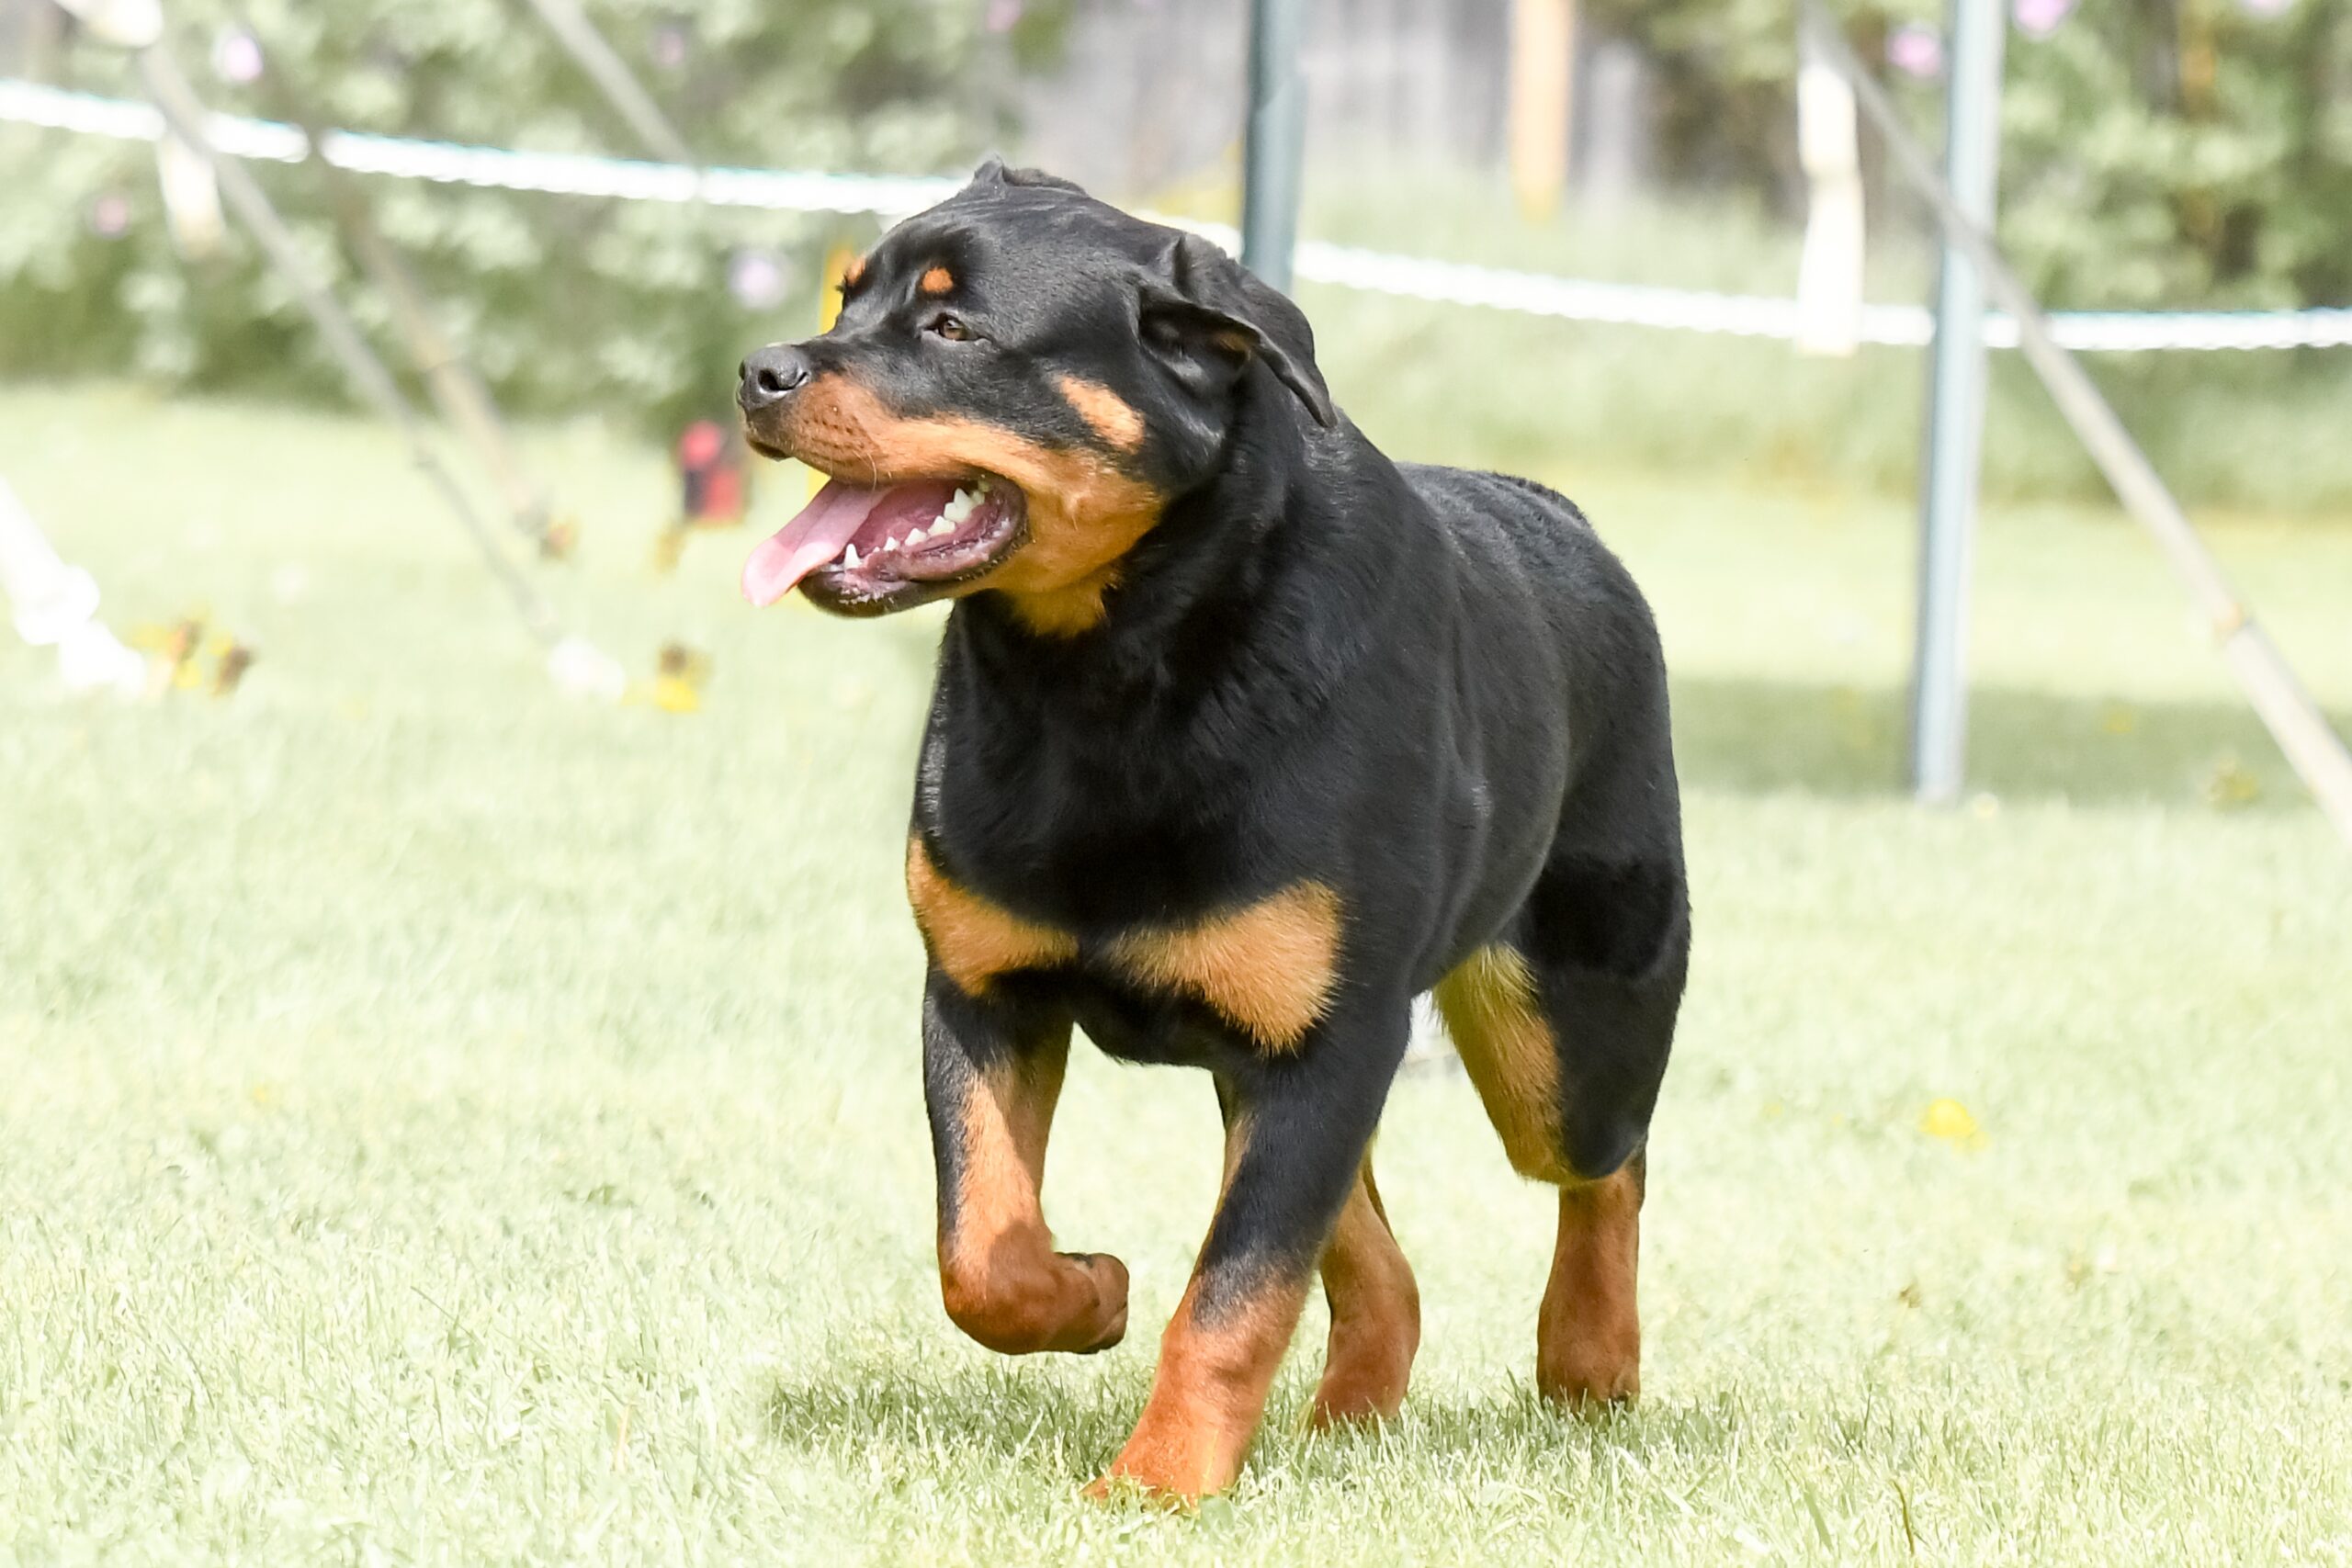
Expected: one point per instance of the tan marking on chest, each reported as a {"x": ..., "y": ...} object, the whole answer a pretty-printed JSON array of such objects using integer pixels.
[
  {"x": 971, "y": 939},
  {"x": 1268, "y": 969}
]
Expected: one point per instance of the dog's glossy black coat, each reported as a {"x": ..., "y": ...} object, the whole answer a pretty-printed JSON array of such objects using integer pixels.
[{"x": 1433, "y": 690}]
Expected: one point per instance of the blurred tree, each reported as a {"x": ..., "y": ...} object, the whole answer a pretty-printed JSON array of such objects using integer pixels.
[
  {"x": 564, "y": 302},
  {"x": 2155, "y": 152}
]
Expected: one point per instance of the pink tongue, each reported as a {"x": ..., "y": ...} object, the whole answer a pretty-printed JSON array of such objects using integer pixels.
[{"x": 809, "y": 541}]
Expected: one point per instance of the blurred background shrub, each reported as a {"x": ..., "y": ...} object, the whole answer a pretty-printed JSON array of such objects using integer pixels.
[
  {"x": 563, "y": 303},
  {"x": 2157, "y": 154}
]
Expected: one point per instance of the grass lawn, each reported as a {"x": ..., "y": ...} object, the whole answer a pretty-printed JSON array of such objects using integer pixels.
[{"x": 441, "y": 1123}]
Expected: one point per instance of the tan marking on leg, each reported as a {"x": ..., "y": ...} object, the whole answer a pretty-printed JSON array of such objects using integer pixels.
[
  {"x": 971, "y": 939},
  {"x": 1268, "y": 968},
  {"x": 1208, "y": 1395},
  {"x": 1085, "y": 513},
  {"x": 1589, "y": 1339},
  {"x": 1106, "y": 413},
  {"x": 1002, "y": 1279},
  {"x": 936, "y": 280},
  {"x": 1508, "y": 1049},
  {"x": 1375, "y": 1313}
]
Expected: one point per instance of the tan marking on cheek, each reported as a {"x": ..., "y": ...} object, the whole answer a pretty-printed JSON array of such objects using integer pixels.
[
  {"x": 1065, "y": 612},
  {"x": 1492, "y": 1013},
  {"x": 1267, "y": 969},
  {"x": 937, "y": 280},
  {"x": 972, "y": 940},
  {"x": 1084, "y": 514},
  {"x": 1588, "y": 1336},
  {"x": 1106, "y": 413}
]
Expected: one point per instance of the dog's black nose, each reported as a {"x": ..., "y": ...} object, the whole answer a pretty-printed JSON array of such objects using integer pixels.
[{"x": 770, "y": 375}]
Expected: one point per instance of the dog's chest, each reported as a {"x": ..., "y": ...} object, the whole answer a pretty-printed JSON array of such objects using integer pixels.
[{"x": 1266, "y": 965}]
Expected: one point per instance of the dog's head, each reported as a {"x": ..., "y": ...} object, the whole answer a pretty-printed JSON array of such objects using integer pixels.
[{"x": 1021, "y": 379}]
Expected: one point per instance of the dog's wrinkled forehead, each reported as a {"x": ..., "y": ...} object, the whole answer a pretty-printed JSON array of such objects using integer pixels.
[{"x": 1026, "y": 254}]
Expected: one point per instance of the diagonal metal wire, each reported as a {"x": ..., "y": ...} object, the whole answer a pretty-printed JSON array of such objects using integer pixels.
[
  {"x": 2294, "y": 720},
  {"x": 185, "y": 114}
]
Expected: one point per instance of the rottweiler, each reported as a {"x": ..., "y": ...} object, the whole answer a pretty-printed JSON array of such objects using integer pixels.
[{"x": 1243, "y": 737}]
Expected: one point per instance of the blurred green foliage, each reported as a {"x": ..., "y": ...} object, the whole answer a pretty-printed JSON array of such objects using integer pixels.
[
  {"x": 2155, "y": 152},
  {"x": 561, "y": 302}
]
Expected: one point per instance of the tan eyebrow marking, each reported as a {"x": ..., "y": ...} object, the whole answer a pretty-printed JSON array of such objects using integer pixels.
[
  {"x": 854, "y": 273},
  {"x": 1109, "y": 416},
  {"x": 938, "y": 281}
]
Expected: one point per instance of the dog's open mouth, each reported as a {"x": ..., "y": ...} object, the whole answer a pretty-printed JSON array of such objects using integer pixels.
[{"x": 867, "y": 550}]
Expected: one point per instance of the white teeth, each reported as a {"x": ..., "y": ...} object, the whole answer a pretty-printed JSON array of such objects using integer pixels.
[
  {"x": 848, "y": 557},
  {"x": 960, "y": 508},
  {"x": 942, "y": 528},
  {"x": 889, "y": 541}
]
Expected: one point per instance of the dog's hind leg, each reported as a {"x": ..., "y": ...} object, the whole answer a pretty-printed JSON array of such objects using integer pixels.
[
  {"x": 992, "y": 1071},
  {"x": 1564, "y": 1024},
  {"x": 1375, "y": 1313}
]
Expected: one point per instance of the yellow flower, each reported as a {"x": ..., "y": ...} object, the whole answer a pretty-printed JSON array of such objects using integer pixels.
[
  {"x": 679, "y": 674},
  {"x": 2230, "y": 783},
  {"x": 1949, "y": 1120}
]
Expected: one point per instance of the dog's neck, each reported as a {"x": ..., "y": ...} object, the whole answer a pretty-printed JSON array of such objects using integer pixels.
[{"x": 1237, "y": 621}]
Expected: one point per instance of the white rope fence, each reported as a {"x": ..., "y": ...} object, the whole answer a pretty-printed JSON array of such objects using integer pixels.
[{"x": 1347, "y": 266}]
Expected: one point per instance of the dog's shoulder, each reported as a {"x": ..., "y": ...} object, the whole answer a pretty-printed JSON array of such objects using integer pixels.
[{"x": 1502, "y": 522}]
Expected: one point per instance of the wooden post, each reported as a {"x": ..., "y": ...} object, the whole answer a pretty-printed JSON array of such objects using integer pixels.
[
  {"x": 828, "y": 309},
  {"x": 1542, "y": 67}
]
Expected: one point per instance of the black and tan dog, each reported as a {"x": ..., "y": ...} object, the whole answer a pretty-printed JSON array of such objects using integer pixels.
[{"x": 1243, "y": 737}]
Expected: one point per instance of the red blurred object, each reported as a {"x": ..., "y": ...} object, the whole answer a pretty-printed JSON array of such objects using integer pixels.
[{"x": 712, "y": 476}]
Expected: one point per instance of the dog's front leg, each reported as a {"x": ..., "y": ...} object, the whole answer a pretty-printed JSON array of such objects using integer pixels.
[
  {"x": 993, "y": 1070},
  {"x": 1296, "y": 1129}
]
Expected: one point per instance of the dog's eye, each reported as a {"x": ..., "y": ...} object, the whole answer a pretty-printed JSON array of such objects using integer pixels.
[{"x": 950, "y": 327}]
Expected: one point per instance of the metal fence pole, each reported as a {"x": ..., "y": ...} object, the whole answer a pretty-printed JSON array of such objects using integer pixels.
[
  {"x": 2312, "y": 748},
  {"x": 1275, "y": 142},
  {"x": 1955, "y": 413}
]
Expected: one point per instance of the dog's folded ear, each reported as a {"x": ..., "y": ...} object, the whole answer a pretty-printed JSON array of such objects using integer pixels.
[
  {"x": 995, "y": 170},
  {"x": 1206, "y": 317}
]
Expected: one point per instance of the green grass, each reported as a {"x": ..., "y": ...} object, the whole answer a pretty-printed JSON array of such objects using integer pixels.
[{"x": 439, "y": 1123}]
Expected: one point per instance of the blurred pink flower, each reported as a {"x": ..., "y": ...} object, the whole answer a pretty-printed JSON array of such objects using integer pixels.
[
  {"x": 757, "y": 279},
  {"x": 1002, "y": 15},
  {"x": 110, "y": 216},
  {"x": 1915, "y": 49},
  {"x": 2041, "y": 17},
  {"x": 236, "y": 57}
]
